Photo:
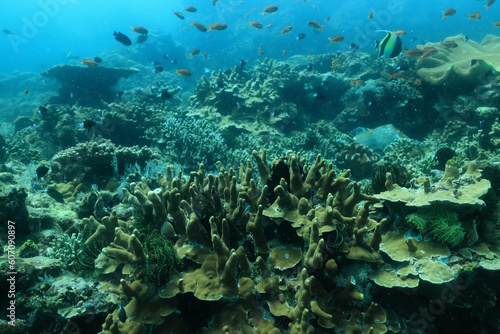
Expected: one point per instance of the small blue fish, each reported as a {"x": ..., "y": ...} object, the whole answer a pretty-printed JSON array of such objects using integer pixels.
[
  {"x": 42, "y": 111},
  {"x": 87, "y": 124},
  {"x": 122, "y": 315}
]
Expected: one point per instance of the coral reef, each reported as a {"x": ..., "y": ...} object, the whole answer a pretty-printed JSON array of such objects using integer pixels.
[
  {"x": 175, "y": 135},
  {"x": 214, "y": 269},
  {"x": 86, "y": 85},
  {"x": 92, "y": 158},
  {"x": 272, "y": 96},
  {"x": 245, "y": 205},
  {"x": 359, "y": 158}
]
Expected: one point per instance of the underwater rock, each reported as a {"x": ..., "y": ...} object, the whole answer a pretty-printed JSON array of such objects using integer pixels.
[
  {"x": 379, "y": 138},
  {"x": 55, "y": 194},
  {"x": 86, "y": 85},
  {"x": 3, "y": 153},
  {"x": 6, "y": 178},
  {"x": 13, "y": 208},
  {"x": 22, "y": 122}
]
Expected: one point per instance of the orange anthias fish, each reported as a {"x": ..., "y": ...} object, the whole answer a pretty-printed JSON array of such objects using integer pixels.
[
  {"x": 417, "y": 82},
  {"x": 284, "y": 53},
  {"x": 489, "y": 4},
  {"x": 194, "y": 52},
  {"x": 475, "y": 16},
  {"x": 496, "y": 25},
  {"x": 261, "y": 52},
  {"x": 270, "y": 9},
  {"x": 370, "y": 15},
  {"x": 217, "y": 26},
  {"x": 89, "y": 62},
  {"x": 357, "y": 83},
  {"x": 198, "y": 26},
  {"x": 315, "y": 25},
  {"x": 184, "y": 73},
  {"x": 191, "y": 9},
  {"x": 255, "y": 24},
  {"x": 179, "y": 15},
  {"x": 427, "y": 52},
  {"x": 286, "y": 30},
  {"x": 449, "y": 12},
  {"x": 140, "y": 30},
  {"x": 336, "y": 39},
  {"x": 400, "y": 33},
  {"x": 414, "y": 52},
  {"x": 397, "y": 75}
]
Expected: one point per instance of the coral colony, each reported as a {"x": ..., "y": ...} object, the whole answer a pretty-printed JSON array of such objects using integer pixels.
[{"x": 341, "y": 192}]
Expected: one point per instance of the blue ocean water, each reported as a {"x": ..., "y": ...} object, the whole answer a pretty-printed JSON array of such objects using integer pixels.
[{"x": 47, "y": 30}]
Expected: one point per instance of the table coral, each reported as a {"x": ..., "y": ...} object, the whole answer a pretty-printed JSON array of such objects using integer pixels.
[
  {"x": 419, "y": 259},
  {"x": 87, "y": 85},
  {"x": 464, "y": 192}
]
